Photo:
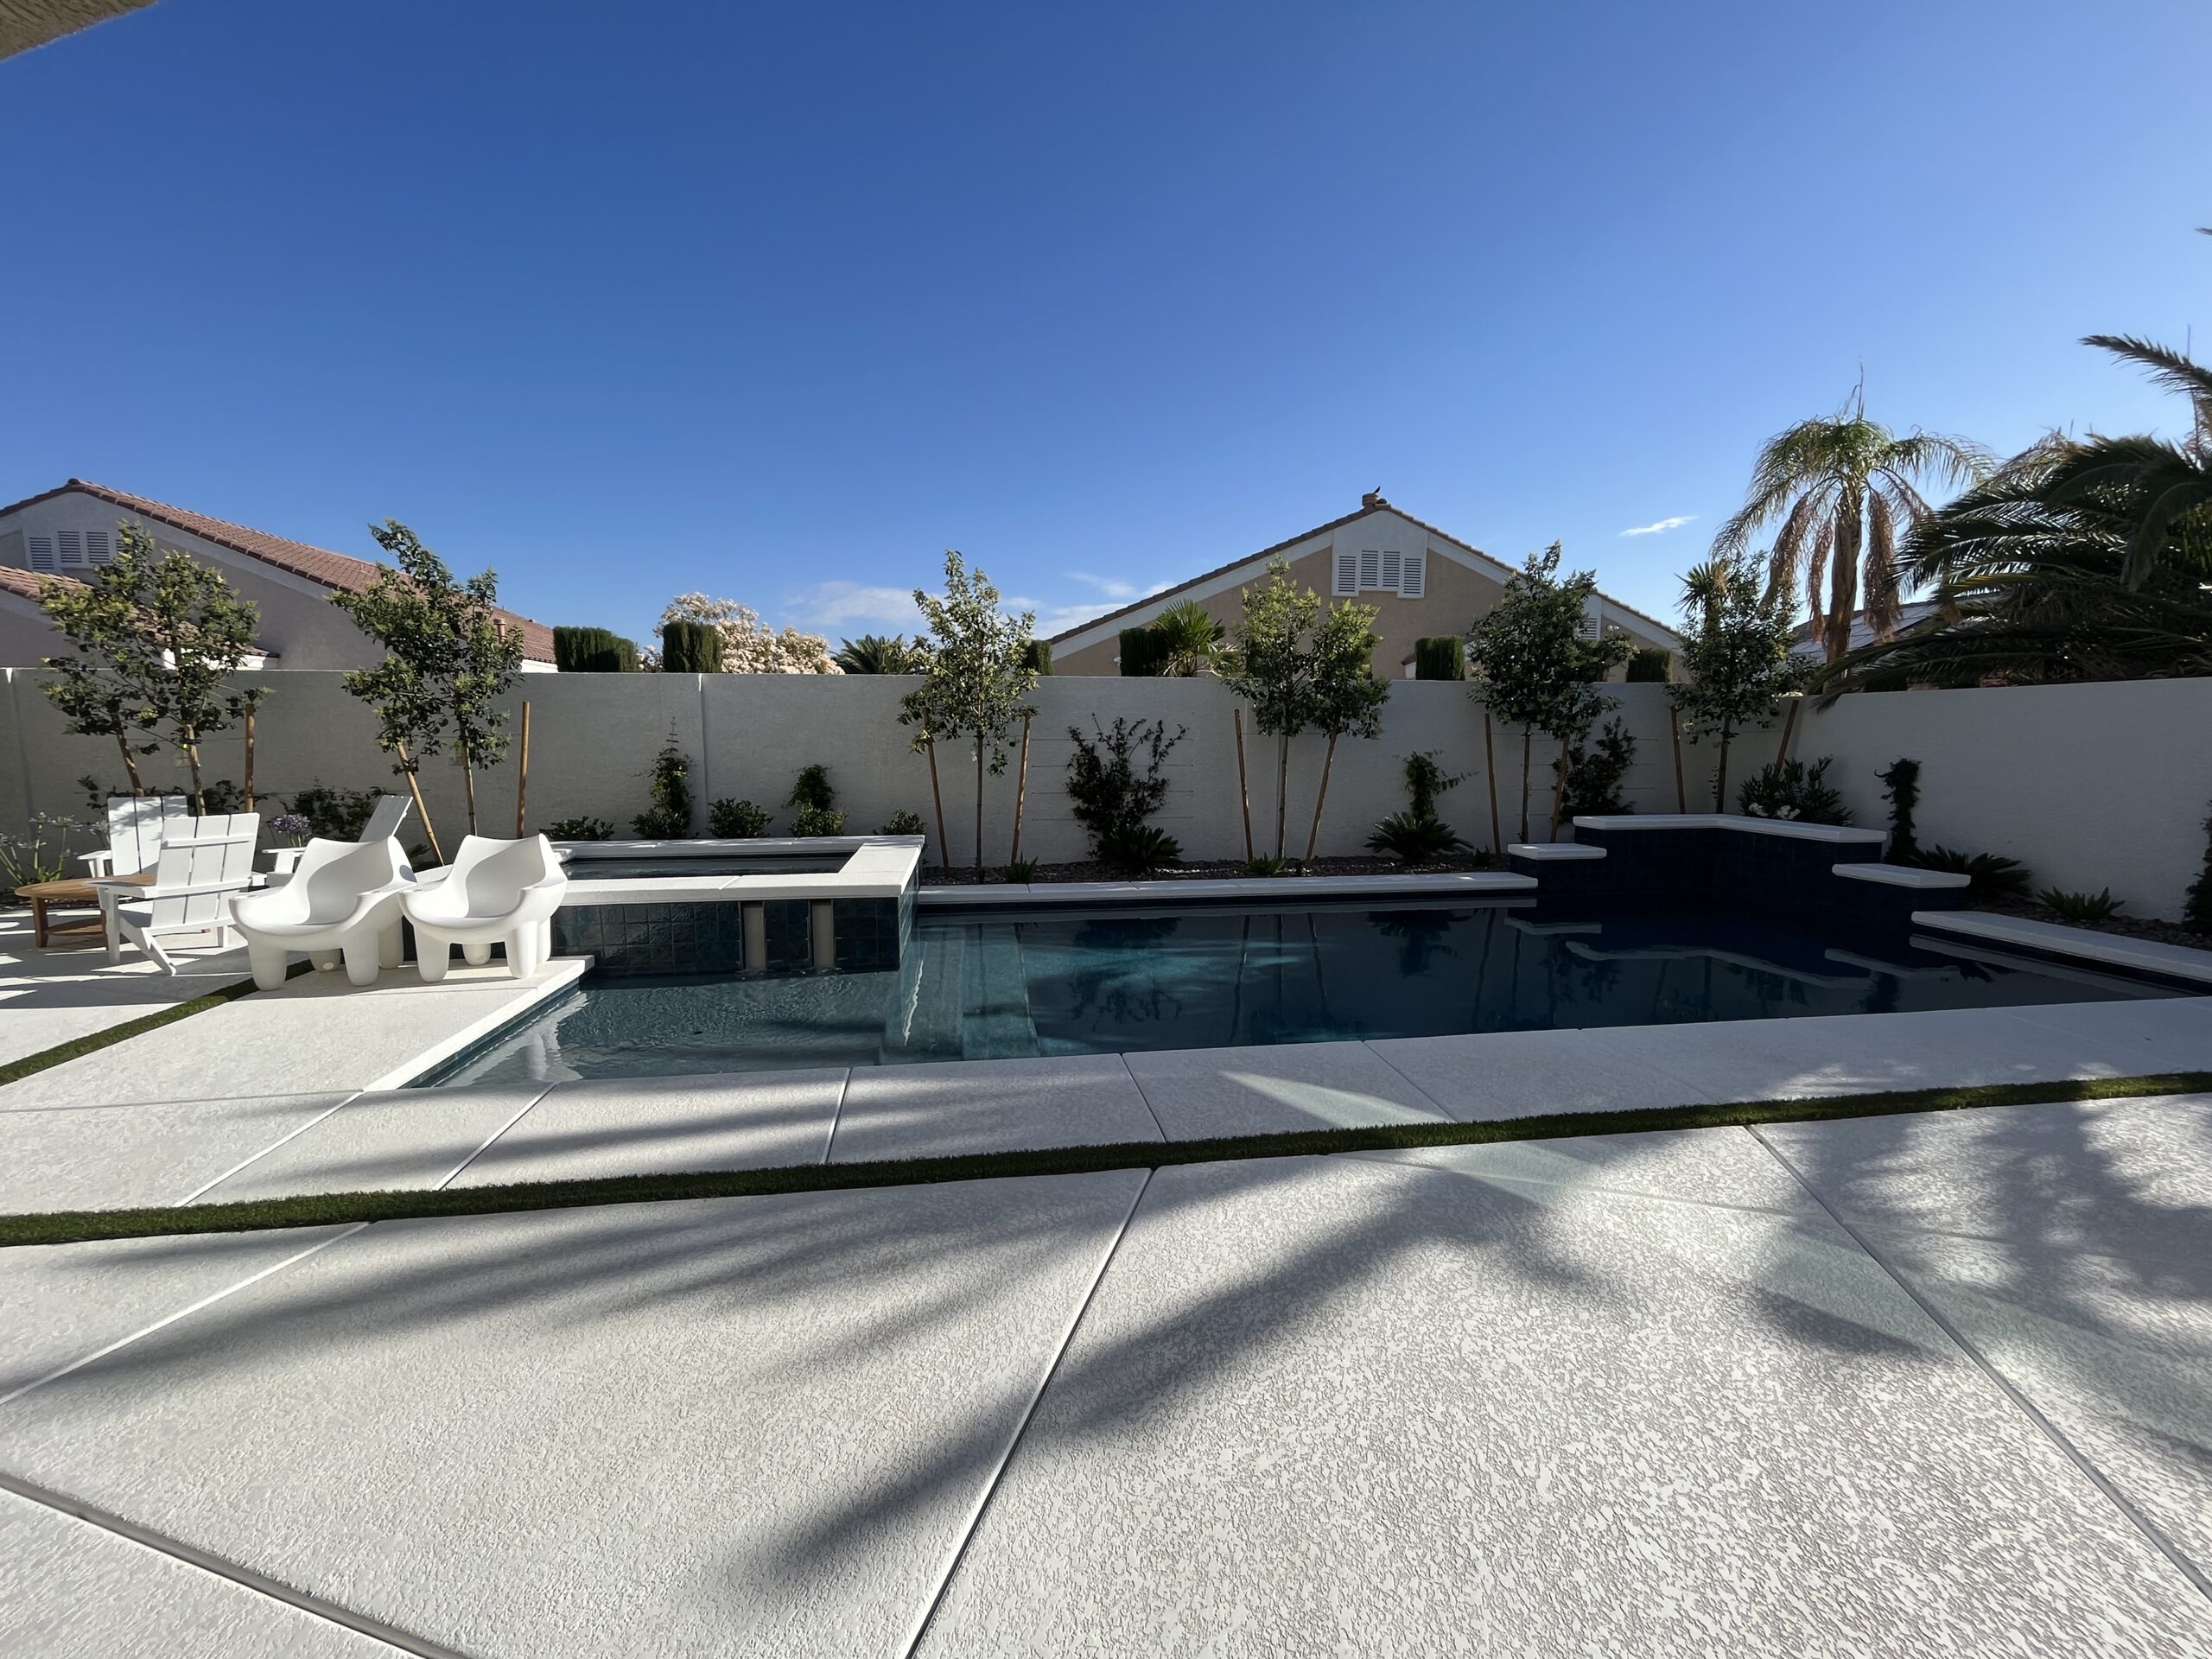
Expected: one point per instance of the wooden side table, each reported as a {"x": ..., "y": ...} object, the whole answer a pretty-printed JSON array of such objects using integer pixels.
[{"x": 45, "y": 895}]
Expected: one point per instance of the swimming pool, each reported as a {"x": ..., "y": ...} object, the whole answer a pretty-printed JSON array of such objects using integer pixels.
[{"x": 1110, "y": 981}]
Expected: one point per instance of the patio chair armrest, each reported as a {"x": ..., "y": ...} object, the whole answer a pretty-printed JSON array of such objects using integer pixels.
[
  {"x": 133, "y": 892},
  {"x": 100, "y": 863},
  {"x": 283, "y": 860}
]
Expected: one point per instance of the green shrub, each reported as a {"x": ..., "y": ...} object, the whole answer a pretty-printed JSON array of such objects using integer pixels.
[
  {"x": 1139, "y": 849},
  {"x": 1142, "y": 653},
  {"x": 335, "y": 813},
  {"x": 1266, "y": 864},
  {"x": 1112, "y": 799},
  {"x": 690, "y": 648},
  {"x": 817, "y": 821},
  {"x": 903, "y": 822},
  {"x": 1792, "y": 790},
  {"x": 1038, "y": 657},
  {"x": 1416, "y": 839},
  {"x": 593, "y": 651},
  {"x": 1440, "y": 656},
  {"x": 813, "y": 788},
  {"x": 669, "y": 817},
  {"x": 1594, "y": 775},
  {"x": 736, "y": 820},
  {"x": 580, "y": 829},
  {"x": 1651, "y": 664},
  {"x": 1901, "y": 789},
  {"x": 1021, "y": 871},
  {"x": 2079, "y": 906},
  {"x": 1991, "y": 875}
]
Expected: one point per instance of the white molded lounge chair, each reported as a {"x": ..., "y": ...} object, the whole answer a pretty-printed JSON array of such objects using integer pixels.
[
  {"x": 135, "y": 825},
  {"x": 494, "y": 893},
  {"x": 342, "y": 902},
  {"x": 203, "y": 863},
  {"x": 383, "y": 823}
]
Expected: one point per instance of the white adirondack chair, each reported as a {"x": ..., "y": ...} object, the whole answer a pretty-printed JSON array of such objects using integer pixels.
[
  {"x": 494, "y": 893},
  {"x": 383, "y": 823},
  {"x": 203, "y": 861},
  {"x": 135, "y": 825},
  {"x": 341, "y": 903}
]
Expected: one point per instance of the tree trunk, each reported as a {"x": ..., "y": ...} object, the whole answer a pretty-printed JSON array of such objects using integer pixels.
[
  {"x": 191, "y": 746},
  {"x": 1282, "y": 788},
  {"x": 1528, "y": 739},
  {"x": 248, "y": 759},
  {"x": 1327, "y": 760},
  {"x": 1720, "y": 778},
  {"x": 979, "y": 806},
  {"x": 468, "y": 786},
  {"x": 130, "y": 765},
  {"x": 1559, "y": 791}
]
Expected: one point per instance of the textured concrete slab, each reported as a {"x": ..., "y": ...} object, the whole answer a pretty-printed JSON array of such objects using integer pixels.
[
  {"x": 2116, "y": 1352},
  {"x": 1527, "y": 1073},
  {"x": 656, "y": 1126},
  {"x": 1200, "y": 1092},
  {"x": 1348, "y": 1405},
  {"x": 69, "y": 1590},
  {"x": 1719, "y": 1167},
  {"x": 932, "y": 1111},
  {"x": 2174, "y": 1033},
  {"x": 2128, "y": 1178},
  {"x": 748, "y": 1426},
  {"x": 111, "y": 1157},
  {"x": 2088, "y": 944},
  {"x": 319, "y": 1033},
  {"x": 401, "y": 1138},
  {"x": 70, "y": 990},
  {"x": 61, "y": 1303}
]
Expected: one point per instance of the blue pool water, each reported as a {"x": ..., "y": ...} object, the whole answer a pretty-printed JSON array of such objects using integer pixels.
[{"x": 1099, "y": 983}]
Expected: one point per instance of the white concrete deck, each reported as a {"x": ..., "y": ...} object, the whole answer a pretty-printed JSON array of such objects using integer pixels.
[
  {"x": 1937, "y": 1385},
  {"x": 55, "y": 996}
]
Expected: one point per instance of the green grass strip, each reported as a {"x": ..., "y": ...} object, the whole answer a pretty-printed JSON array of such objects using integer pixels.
[
  {"x": 93, "y": 1042},
  {"x": 68, "y": 1227}
]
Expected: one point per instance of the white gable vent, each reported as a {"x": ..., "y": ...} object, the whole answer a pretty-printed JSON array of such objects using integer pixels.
[
  {"x": 1382, "y": 570},
  {"x": 42, "y": 557}
]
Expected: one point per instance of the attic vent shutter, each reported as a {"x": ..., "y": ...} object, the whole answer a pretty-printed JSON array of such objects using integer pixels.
[
  {"x": 1347, "y": 571},
  {"x": 71, "y": 543},
  {"x": 97, "y": 550},
  {"x": 1417, "y": 570},
  {"x": 1392, "y": 561},
  {"x": 42, "y": 553},
  {"x": 1370, "y": 568}
]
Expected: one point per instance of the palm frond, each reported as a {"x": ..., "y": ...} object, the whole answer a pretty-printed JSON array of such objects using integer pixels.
[
  {"x": 2175, "y": 371},
  {"x": 1881, "y": 566}
]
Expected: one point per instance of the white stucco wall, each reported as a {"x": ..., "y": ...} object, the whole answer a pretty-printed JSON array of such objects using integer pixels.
[{"x": 2091, "y": 786}]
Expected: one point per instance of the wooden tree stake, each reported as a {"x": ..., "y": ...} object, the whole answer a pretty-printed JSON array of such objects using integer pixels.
[
  {"x": 1020, "y": 790},
  {"x": 1489, "y": 772},
  {"x": 248, "y": 759},
  {"x": 1674, "y": 724},
  {"x": 522, "y": 780},
  {"x": 943, "y": 847},
  {"x": 414, "y": 787},
  {"x": 1789, "y": 725},
  {"x": 1313, "y": 836},
  {"x": 1243, "y": 785}
]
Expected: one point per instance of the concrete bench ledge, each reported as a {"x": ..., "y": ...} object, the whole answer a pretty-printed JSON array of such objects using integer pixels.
[
  {"x": 2145, "y": 956},
  {"x": 1785, "y": 828},
  {"x": 1542, "y": 850},
  {"x": 1901, "y": 876}
]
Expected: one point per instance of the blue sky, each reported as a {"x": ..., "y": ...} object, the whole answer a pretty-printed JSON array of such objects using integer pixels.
[{"x": 780, "y": 303}]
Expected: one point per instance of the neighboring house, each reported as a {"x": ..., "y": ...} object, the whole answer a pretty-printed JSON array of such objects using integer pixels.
[
  {"x": 1421, "y": 581},
  {"x": 70, "y": 533}
]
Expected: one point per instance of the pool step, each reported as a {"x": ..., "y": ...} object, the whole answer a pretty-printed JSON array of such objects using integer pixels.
[{"x": 998, "y": 1026}]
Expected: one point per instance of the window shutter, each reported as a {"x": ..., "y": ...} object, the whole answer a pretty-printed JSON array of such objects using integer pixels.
[
  {"x": 42, "y": 553},
  {"x": 1370, "y": 568},
  {"x": 1392, "y": 561},
  {"x": 1412, "y": 580},
  {"x": 97, "y": 550},
  {"x": 1347, "y": 572}
]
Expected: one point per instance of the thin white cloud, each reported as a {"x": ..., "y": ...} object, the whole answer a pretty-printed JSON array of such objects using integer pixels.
[
  {"x": 1112, "y": 587},
  {"x": 850, "y": 605},
  {"x": 1661, "y": 527}
]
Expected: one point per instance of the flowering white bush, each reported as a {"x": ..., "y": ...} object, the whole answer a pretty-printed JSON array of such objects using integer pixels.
[{"x": 750, "y": 645}]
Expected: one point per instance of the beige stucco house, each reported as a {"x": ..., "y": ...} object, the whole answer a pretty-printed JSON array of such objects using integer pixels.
[
  {"x": 1421, "y": 581},
  {"x": 67, "y": 533}
]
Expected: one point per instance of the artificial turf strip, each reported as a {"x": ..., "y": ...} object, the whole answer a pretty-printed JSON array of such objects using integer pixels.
[
  {"x": 93, "y": 1042},
  {"x": 69, "y": 1227}
]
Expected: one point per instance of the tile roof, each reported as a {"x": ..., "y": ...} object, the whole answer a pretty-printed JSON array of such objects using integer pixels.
[
  {"x": 30, "y": 584},
  {"x": 317, "y": 565},
  {"x": 1366, "y": 507}
]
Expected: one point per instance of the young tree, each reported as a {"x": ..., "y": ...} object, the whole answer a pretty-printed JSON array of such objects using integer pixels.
[
  {"x": 1533, "y": 663},
  {"x": 1737, "y": 653},
  {"x": 1299, "y": 664},
  {"x": 976, "y": 677},
  {"x": 448, "y": 659},
  {"x": 750, "y": 645},
  {"x": 156, "y": 634}
]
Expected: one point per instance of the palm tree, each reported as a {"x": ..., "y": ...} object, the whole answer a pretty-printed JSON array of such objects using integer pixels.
[
  {"x": 1843, "y": 489},
  {"x": 878, "y": 653},
  {"x": 2079, "y": 559},
  {"x": 1189, "y": 640}
]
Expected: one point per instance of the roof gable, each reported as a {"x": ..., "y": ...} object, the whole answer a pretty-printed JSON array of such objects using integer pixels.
[{"x": 317, "y": 565}]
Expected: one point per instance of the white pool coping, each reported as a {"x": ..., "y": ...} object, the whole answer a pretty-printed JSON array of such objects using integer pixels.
[
  {"x": 1278, "y": 889},
  {"x": 1545, "y": 851},
  {"x": 1787, "y": 828},
  {"x": 1901, "y": 876},
  {"x": 2145, "y": 956},
  {"x": 876, "y": 867}
]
